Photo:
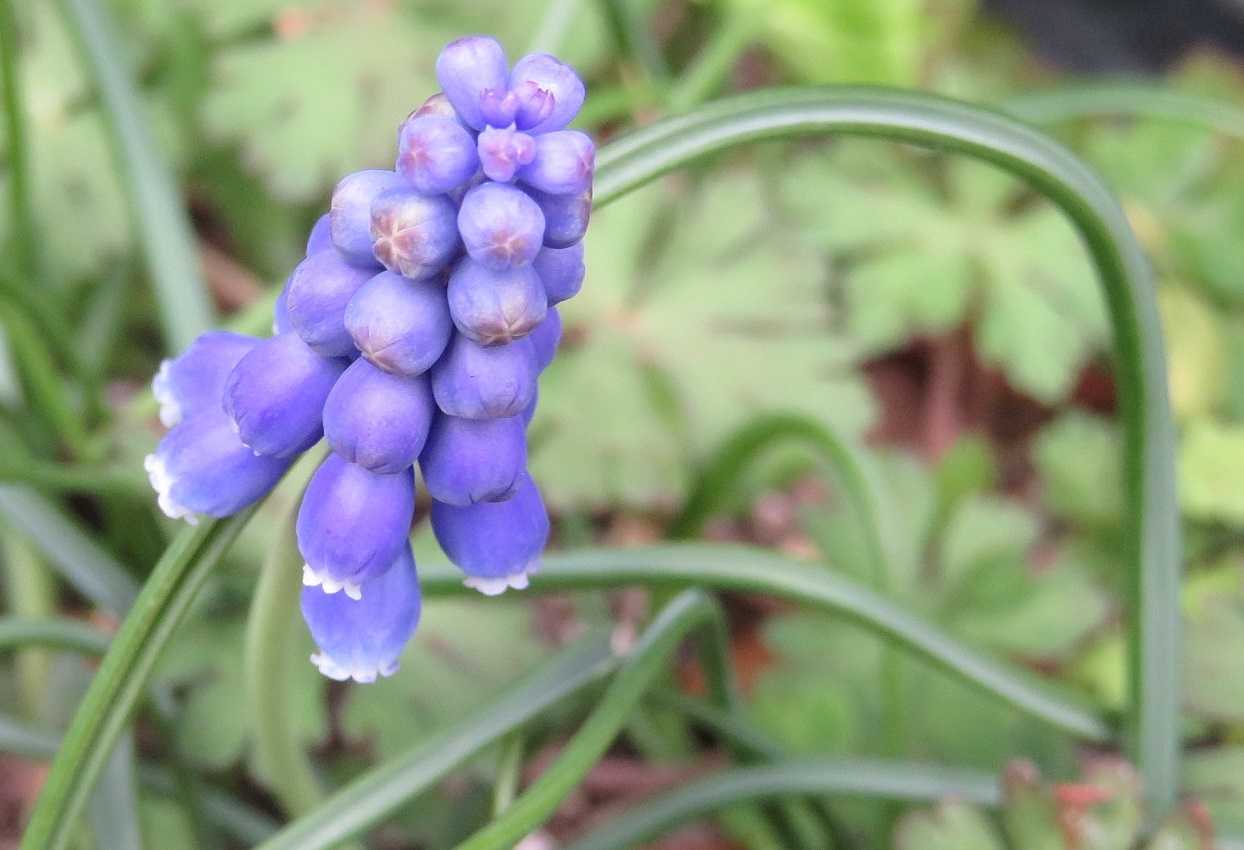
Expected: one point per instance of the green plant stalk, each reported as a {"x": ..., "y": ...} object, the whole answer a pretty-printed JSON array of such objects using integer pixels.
[
  {"x": 509, "y": 773},
  {"x": 748, "y": 570},
  {"x": 161, "y": 224},
  {"x": 688, "y": 612},
  {"x": 21, "y": 195},
  {"x": 716, "y": 59},
  {"x": 631, "y": 35},
  {"x": 548, "y": 35},
  {"x": 384, "y": 789},
  {"x": 1151, "y": 547},
  {"x": 819, "y": 777},
  {"x": 271, "y": 643},
  {"x": 122, "y": 676},
  {"x": 32, "y": 593},
  {"x": 72, "y": 478}
]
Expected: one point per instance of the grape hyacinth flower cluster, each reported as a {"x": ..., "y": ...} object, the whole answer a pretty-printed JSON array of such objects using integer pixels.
[{"x": 412, "y": 333}]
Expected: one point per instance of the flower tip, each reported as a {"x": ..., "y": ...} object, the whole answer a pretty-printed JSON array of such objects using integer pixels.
[
  {"x": 499, "y": 585},
  {"x": 341, "y": 673},
  {"x": 162, "y": 389},
  {"x": 311, "y": 578},
  {"x": 162, "y": 483}
]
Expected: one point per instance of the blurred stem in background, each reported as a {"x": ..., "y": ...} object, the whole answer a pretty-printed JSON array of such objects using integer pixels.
[{"x": 31, "y": 593}]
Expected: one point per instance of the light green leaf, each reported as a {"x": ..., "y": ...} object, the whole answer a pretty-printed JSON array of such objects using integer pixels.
[
  {"x": 1211, "y": 467},
  {"x": 730, "y": 316},
  {"x": 950, "y": 826},
  {"x": 1078, "y": 460},
  {"x": 917, "y": 261},
  {"x": 462, "y": 654}
]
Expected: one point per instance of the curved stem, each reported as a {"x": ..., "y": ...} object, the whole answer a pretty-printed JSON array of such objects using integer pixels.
[
  {"x": 757, "y": 571},
  {"x": 53, "y": 633},
  {"x": 688, "y": 611},
  {"x": 1151, "y": 549},
  {"x": 122, "y": 677},
  {"x": 267, "y": 661},
  {"x": 894, "y": 781}
]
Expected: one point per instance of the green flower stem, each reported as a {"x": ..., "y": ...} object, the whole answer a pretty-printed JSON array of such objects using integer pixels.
[
  {"x": 271, "y": 644},
  {"x": 750, "y": 570},
  {"x": 557, "y": 18},
  {"x": 689, "y": 611},
  {"x": 820, "y": 777},
  {"x": 31, "y": 591},
  {"x": 161, "y": 224},
  {"x": 122, "y": 676},
  {"x": 630, "y": 33},
  {"x": 379, "y": 792},
  {"x": 1150, "y": 549},
  {"x": 713, "y": 64},
  {"x": 72, "y": 478}
]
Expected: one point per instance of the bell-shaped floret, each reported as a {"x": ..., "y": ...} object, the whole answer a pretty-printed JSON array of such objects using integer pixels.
[
  {"x": 473, "y": 460},
  {"x": 321, "y": 235},
  {"x": 493, "y": 307},
  {"x": 501, "y": 226},
  {"x": 202, "y": 468},
  {"x": 468, "y": 69},
  {"x": 362, "y": 639},
  {"x": 497, "y": 544},
  {"x": 545, "y": 339},
  {"x": 415, "y": 235},
  {"x": 503, "y": 151},
  {"x": 316, "y": 298},
  {"x": 350, "y": 212},
  {"x": 378, "y": 420},
  {"x": 561, "y": 271},
  {"x": 565, "y": 216},
  {"x": 276, "y": 392},
  {"x": 400, "y": 325},
  {"x": 435, "y": 153},
  {"x": 563, "y": 164},
  {"x": 474, "y": 381},
  {"x": 549, "y": 93},
  {"x": 194, "y": 381},
  {"x": 353, "y": 524}
]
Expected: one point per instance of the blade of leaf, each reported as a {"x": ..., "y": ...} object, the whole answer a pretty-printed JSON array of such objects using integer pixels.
[
  {"x": 113, "y": 810},
  {"x": 160, "y": 218},
  {"x": 886, "y": 780},
  {"x": 83, "y": 563},
  {"x": 53, "y": 633}
]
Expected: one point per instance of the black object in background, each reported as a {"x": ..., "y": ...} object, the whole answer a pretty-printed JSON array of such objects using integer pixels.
[{"x": 1124, "y": 35}]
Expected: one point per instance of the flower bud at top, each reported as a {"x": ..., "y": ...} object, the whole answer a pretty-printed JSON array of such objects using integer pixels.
[
  {"x": 473, "y": 460},
  {"x": 563, "y": 164},
  {"x": 350, "y": 212},
  {"x": 473, "y": 381},
  {"x": 497, "y": 544},
  {"x": 201, "y": 467},
  {"x": 495, "y": 307},
  {"x": 545, "y": 338},
  {"x": 501, "y": 226},
  {"x": 400, "y": 325},
  {"x": 378, "y": 420},
  {"x": 561, "y": 271},
  {"x": 415, "y": 235},
  {"x": 436, "y": 154},
  {"x": 565, "y": 216},
  {"x": 503, "y": 151},
  {"x": 468, "y": 68},
  {"x": 539, "y": 78},
  {"x": 352, "y": 524},
  {"x": 362, "y": 639},
  {"x": 318, "y": 292},
  {"x": 275, "y": 394},
  {"x": 193, "y": 382},
  {"x": 498, "y": 108}
]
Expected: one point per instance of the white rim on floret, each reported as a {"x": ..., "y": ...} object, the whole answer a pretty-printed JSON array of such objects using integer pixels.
[
  {"x": 162, "y": 482},
  {"x": 312, "y": 578},
  {"x": 360, "y": 674},
  {"x": 162, "y": 389},
  {"x": 497, "y": 586}
]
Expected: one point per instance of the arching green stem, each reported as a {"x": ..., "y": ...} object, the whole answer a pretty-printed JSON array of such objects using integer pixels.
[{"x": 1150, "y": 551}]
